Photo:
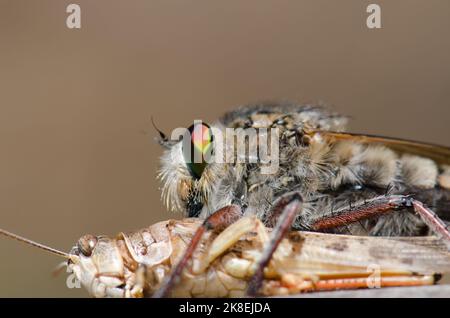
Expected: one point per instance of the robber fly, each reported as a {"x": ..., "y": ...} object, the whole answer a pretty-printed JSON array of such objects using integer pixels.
[{"x": 327, "y": 180}]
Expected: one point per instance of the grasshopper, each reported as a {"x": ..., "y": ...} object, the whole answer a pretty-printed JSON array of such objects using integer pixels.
[{"x": 136, "y": 264}]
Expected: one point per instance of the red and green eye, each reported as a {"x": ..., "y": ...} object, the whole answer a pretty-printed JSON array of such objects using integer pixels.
[{"x": 198, "y": 148}]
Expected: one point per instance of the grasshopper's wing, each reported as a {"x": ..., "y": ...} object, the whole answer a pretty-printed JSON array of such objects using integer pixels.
[
  {"x": 330, "y": 255},
  {"x": 440, "y": 154}
]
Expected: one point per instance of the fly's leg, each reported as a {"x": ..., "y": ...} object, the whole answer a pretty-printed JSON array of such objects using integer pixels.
[
  {"x": 217, "y": 222},
  {"x": 287, "y": 207},
  {"x": 383, "y": 205},
  {"x": 433, "y": 221}
]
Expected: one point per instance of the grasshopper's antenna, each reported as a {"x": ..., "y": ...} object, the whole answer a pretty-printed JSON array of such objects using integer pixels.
[{"x": 35, "y": 244}]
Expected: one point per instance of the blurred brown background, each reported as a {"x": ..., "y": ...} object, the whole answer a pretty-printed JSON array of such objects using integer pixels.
[{"x": 76, "y": 145}]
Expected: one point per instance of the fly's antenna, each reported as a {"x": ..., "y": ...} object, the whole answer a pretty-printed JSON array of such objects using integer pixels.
[
  {"x": 35, "y": 244},
  {"x": 161, "y": 134}
]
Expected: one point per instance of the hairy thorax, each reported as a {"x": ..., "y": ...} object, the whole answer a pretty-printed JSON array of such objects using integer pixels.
[{"x": 329, "y": 174}]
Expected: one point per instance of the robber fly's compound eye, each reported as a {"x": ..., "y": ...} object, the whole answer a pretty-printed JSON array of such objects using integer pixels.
[
  {"x": 86, "y": 244},
  {"x": 197, "y": 148}
]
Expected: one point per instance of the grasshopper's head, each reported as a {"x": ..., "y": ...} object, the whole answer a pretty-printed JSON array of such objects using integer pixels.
[
  {"x": 98, "y": 266},
  {"x": 102, "y": 265}
]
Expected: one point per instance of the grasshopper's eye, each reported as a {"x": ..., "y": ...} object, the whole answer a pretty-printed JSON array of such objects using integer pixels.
[
  {"x": 86, "y": 244},
  {"x": 197, "y": 148}
]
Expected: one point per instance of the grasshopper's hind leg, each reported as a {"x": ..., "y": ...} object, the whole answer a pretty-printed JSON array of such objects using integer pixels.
[
  {"x": 286, "y": 208},
  {"x": 293, "y": 285},
  {"x": 216, "y": 221}
]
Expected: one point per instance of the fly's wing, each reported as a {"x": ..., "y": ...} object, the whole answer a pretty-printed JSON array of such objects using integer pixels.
[
  {"x": 331, "y": 256},
  {"x": 437, "y": 198},
  {"x": 439, "y": 154}
]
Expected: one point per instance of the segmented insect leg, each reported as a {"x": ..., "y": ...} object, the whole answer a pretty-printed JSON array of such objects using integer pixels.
[
  {"x": 383, "y": 205},
  {"x": 230, "y": 236},
  {"x": 363, "y": 282},
  {"x": 433, "y": 221},
  {"x": 287, "y": 207},
  {"x": 217, "y": 222}
]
